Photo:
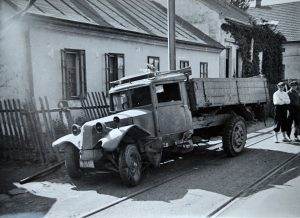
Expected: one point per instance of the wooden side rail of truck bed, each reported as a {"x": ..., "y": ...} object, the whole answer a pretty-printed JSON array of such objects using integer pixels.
[{"x": 216, "y": 92}]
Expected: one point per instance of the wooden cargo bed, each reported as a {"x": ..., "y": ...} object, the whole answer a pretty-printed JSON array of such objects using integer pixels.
[{"x": 213, "y": 92}]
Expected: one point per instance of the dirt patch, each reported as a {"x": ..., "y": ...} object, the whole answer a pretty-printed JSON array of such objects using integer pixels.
[{"x": 15, "y": 201}]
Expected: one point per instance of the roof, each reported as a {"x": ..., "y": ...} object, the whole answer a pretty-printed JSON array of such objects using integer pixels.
[
  {"x": 287, "y": 15},
  {"x": 228, "y": 10},
  {"x": 139, "y": 16}
]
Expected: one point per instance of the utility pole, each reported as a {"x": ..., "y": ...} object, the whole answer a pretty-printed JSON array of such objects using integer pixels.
[{"x": 171, "y": 35}]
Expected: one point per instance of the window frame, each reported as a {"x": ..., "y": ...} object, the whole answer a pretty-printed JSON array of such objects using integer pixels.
[
  {"x": 205, "y": 73},
  {"x": 182, "y": 63},
  {"x": 154, "y": 58},
  {"x": 107, "y": 68},
  {"x": 81, "y": 55}
]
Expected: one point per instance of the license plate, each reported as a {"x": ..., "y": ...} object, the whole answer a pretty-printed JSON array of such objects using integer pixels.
[{"x": 87, "y": 164}]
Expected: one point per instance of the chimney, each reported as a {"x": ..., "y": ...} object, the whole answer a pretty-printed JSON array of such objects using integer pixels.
[{"x": 258, "y": 3}]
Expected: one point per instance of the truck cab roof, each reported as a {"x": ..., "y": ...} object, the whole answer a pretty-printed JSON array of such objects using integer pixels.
[{"x": 145, "y": 79}]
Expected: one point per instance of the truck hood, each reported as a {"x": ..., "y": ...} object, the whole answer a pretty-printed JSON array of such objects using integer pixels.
[
  {"x": 87, "y": 137},
  {"x": 122, "y": 116}
]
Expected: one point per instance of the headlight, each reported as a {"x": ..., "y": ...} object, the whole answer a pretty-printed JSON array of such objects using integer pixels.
[
  {"x": 116, "y": 120},
  {"x": 99, "y": 127},
  {"x": 76, "y": 129}
]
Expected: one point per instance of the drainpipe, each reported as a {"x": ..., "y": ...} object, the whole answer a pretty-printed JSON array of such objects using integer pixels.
[
  {"x": 171, "y": 35},
  {"x": 28, "y": 57}
]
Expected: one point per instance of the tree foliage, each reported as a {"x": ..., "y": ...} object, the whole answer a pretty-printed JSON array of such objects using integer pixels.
[
  {"x": 242, "y": 4},
  {"x": 267, "y": 41}
]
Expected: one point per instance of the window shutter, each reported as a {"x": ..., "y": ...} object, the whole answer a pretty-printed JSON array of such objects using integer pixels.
[
  {"x": 64, "y": 73},
  {"x": 83, "y": 87},
  {"x": 107, "y": 73}
]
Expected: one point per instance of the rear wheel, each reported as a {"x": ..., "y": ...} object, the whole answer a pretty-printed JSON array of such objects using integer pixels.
[
  {"x": 130, "y": 165},
  {"x": 72, "y": 161},
  {"x": 234, "y": 136}
]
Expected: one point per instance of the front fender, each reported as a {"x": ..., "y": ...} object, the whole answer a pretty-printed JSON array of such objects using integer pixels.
[
  {"x": 75, "y": 140},
  {"x": 112, "y": 140}
]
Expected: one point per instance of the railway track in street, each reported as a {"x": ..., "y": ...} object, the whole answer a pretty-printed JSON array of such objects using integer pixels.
[
  {"x": 186, "y": 172},
  {"x": 259, "y": 181}
]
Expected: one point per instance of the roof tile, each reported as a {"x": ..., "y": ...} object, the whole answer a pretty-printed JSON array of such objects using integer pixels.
[{"x": 287, "y": 15}]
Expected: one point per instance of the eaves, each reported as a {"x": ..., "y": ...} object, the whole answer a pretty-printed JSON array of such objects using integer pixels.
[{"x": 85, "y": 28}]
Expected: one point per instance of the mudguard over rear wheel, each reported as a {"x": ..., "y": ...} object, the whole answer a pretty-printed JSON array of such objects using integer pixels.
[
  {"x": 72, "y": 161},
  {"x": 234, "y": 136},
  {"x": 130, "y": 165}
]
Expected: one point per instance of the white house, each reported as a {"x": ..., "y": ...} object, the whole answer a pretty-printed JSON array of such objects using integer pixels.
[
  {"x": 287, "y": 18},
  {"x": 208, "y": 16},
  {"x": 64, "y": 48}
]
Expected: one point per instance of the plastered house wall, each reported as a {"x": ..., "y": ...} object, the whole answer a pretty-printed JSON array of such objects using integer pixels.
[
  {"x": 209, "y": 21},
  {"x": 47, "y": 43},
  {"x": 13, "y": 64},
  {"x": 291, "y": 60}
]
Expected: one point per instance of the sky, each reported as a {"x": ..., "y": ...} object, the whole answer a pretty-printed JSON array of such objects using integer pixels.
[{"x": 271, "y": 2}]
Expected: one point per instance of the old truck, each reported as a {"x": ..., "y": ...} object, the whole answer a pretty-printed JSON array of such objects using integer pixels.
[{"x": 157, "y": 112}]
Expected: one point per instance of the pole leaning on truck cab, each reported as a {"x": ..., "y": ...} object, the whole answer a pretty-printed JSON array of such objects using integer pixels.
[{"x": 171, "y": 35}]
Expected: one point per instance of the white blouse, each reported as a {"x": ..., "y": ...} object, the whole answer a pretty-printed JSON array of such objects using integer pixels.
[{"x": 281, "y": 98}]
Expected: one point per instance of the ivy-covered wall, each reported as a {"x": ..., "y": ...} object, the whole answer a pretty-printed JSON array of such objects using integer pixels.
[{"x": 266, "y": 40}]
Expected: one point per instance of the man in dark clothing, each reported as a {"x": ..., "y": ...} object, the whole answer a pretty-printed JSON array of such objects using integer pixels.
[{"x": 294, "y": 110}]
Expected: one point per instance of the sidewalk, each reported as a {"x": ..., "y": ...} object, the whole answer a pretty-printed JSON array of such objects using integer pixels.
[{"x": 279, "y": 196}]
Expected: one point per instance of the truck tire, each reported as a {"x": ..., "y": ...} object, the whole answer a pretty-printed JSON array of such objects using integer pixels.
[
  {"x": 130, "y": 165},
  {"x": 234, "y": 136},
  {"x": 72, "y": 161}
]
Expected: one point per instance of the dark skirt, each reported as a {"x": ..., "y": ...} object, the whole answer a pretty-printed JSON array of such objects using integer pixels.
[{"x": 281, "y": 119}]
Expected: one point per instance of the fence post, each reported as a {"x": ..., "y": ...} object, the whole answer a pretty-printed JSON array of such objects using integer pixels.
[
  {"x": 35, "y": 128},
  {"x": 6, "y": 133}
]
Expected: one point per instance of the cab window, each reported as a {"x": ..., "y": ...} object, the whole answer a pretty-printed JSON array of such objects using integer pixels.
[
  {"x": 131, "y": 98},
  {"x": 168, "y": 92},
  {"x": 141, "y": 96}
]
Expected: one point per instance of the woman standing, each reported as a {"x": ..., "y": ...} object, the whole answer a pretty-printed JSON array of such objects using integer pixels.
[{"x": 281, "y": 102}]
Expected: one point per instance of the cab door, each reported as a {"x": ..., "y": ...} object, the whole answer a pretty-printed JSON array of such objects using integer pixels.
[{"x": 171, "y": 109}]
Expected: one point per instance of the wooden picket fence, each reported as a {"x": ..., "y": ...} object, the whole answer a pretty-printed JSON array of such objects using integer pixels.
[
  {"x": 28, "y": 128},
  {"x": 95, "y": 105}
]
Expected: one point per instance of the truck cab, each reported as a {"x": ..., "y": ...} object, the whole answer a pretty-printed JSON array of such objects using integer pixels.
[{"x": 164, "y": 95}]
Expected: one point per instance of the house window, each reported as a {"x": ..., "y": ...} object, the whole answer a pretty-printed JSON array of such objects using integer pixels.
[
  {"x": 114, "y": 67},
  {"x": 184, "y": 64},
  {"x": 227, "y": 67},
  {"x": 153, "y": 61},
  {"x": 73, "y": 73},
  {"x": 237, "y": 62},
  {"x": 203, "y": 70}
]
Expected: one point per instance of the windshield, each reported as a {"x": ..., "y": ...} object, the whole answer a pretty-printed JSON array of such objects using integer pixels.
[{"x": 131, "y": 98}]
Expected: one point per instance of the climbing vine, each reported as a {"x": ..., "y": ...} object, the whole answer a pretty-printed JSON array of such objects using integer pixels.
[{"x": 266, "y": 40}]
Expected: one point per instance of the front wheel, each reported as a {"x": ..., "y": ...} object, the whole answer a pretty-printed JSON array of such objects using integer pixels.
[
  {"x": 130, "y": 165},
  {"x": 234, "y": 136}
]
